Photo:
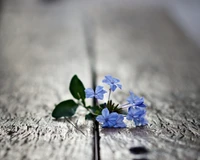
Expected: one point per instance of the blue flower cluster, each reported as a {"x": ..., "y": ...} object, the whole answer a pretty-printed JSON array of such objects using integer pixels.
[
  {"x": 136, "y": 111},
  {"x": 135, "y": 105}
]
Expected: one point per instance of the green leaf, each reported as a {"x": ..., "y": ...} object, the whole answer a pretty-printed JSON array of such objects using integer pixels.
[
  {"x": 95, "y": 109},
  {"x": 112, "y": 107},
  {"x": 77, "y": 89},
  {"x": 90, "y": 116},
  {"x": 65, "y": 109}
]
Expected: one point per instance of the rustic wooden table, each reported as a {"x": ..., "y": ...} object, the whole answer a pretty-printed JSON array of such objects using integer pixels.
[{"x": 44, "y": 42}]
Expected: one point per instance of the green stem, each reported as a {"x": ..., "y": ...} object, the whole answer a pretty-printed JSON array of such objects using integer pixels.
[
  {"x": 88, "y": 109},
  {"x": 97, "y": 103}
]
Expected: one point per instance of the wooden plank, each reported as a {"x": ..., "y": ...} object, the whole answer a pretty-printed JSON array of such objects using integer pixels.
[
  {"x": 42, "y": 47},
  {"x": 142, "y": 47}
]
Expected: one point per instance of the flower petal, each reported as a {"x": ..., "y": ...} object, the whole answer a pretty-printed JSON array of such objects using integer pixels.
[
  {"x": 143, "y": 121},
  {"x": 120, "y": 118},
  {"x": 98, "y": 89},
  {"x": 131, "y": 111},
  {"x": 89, "y": 93},
  {"x": 138, "y": 100},
  {"x": 140, "y": 121},
  {"x": 99, "y": 96},
  {"x": 129, "y": 117},
  {"x": 120, "y": 125},
  {"x": 100, "y": 119},
  {"x": 105, "y": 125},
  {"x": 112, "y": 119},
  {"x": 99, "y": 92},
  {"x": 142, "y": 105},
  {"x": 139, "y": 112},
  {"x": 111, "y": 123},
  {"x": 113, "y": 116},
  {"x": 119, "y": 85},
  {"x": 109, "y": 78},
  {"x": 105, "y": 112},
  {"x": 137, "y": 122},
  {"x": 130, "y": 99},
  {"x": 115, "y": 80},
  {"x": 132, "y": 94},
  {"x": 113, "y": 87},
  {"x": 106, "y": 81},
  {"x": 119, "y": 122}
]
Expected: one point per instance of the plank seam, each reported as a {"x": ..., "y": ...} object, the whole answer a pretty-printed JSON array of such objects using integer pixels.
[{"x": 89, "y": 34}]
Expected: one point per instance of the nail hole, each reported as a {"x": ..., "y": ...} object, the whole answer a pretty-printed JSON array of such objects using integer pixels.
[{"x": 138, "y": 150}]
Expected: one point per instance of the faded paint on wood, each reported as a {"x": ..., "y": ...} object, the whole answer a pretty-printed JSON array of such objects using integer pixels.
[
  {"x": 42, "y": 46},
  {"x": 143, "y": 48}
]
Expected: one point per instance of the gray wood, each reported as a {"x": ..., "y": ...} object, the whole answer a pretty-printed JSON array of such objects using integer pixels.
[
  {"x": 42, "y": 47},
  {"x": 142, "y": 47}
]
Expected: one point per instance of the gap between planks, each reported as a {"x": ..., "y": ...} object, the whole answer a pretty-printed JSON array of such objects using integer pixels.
[{"x": 89, "y": 34}]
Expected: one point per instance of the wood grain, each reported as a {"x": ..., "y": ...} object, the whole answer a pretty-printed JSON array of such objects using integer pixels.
[
  {"x": 44, "y": 42},
  {"x": 42, "y": 47},
  {"x": 142, "y": 47}
]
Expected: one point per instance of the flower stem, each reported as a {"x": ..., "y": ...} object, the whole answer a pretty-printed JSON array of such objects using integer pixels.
[
  {"x": 125, "y": 105},
  {"x": 97, "y": 103},
  {"x": 109, "y": 94}
]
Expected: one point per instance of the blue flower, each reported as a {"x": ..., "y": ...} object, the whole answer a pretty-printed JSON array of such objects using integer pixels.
[
  {"x": 141, "y": 121},
  {"x": 112, "y": 82},
  {"x": 137, "y": 115},
  {"x": 135, "y": 100},
  {"x": 98, "y": 94},
  {"x": 110, "y": 119},
  {"x": 119, "y": 122}
]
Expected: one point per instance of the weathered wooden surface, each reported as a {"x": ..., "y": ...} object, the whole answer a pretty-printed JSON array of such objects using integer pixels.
[
  {"x": 44, "y": 42},
  {"x": 42, "y": 46},
  {"x": 142, "y": 47}
]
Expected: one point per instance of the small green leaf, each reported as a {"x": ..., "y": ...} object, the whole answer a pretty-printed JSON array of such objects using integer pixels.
[
  {"x": 65, "y": 109},
  {"x": 77, "y": 89}
]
